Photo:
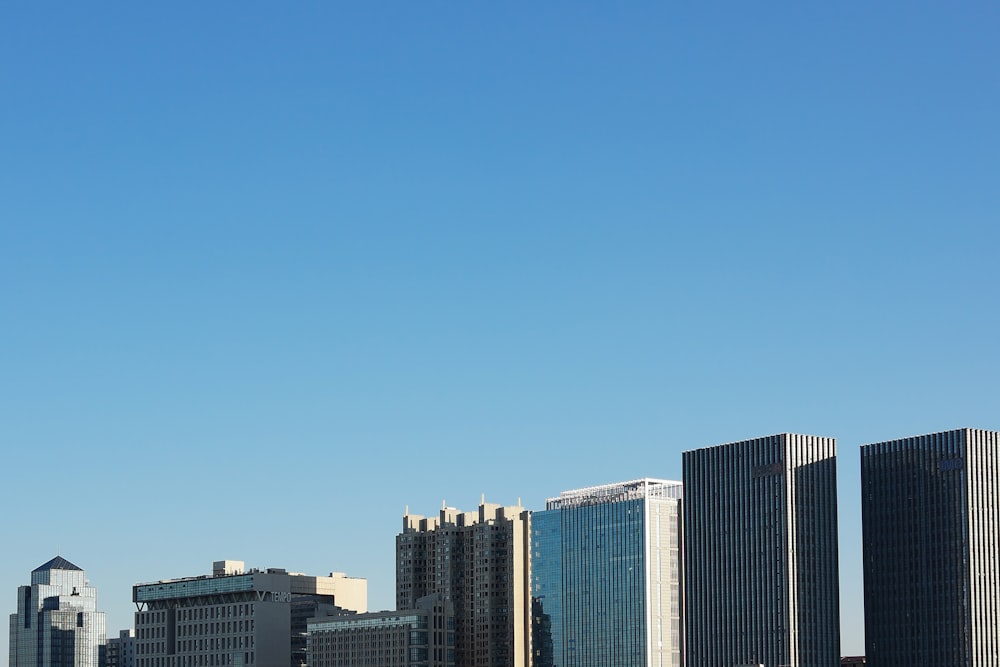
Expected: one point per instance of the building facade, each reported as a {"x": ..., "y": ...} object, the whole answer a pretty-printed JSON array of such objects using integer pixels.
[
  {"x": 57, "y": 623},
  {"x": 120, "y": 650},
  {"x": 236, "y": 617},
  {"x": 420, "y": 637},
  {"x": 760, "y": 553},
  {"x": 606, "y": 576},
  {"x": 480, "y": 561},
  {"x": 930, "y": 523}
]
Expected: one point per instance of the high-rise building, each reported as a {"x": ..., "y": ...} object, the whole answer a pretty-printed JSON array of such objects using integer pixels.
[
  {"x": 120, "y": 650},
  {"x": 419, "y": 637},
  {"x": 760, "y": 553},
  {"x": 606, "y": 570},
  {"x": 235, "y": 617},
  {"x": 480, "y": 561},
  {"x": 931, "y": 527},
  {"x": 57, "y": 623}
]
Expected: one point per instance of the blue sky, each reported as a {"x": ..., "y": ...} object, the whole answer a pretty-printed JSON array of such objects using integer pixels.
[{"x": 269, "y": 274}]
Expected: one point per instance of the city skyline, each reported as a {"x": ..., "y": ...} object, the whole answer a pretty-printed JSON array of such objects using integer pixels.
[
  {"x": 928, "y": 498},
  {"x": 452, "y": 511},
  {"x": 268, "y": 275}
]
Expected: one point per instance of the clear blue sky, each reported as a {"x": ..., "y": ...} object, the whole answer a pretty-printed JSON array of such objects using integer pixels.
[{"x": 271, "y": 272}]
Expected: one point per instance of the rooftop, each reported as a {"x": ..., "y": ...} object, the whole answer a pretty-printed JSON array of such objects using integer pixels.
[
  {"x": 57, "y": 563},
  {"x": 646, "y": 487}
]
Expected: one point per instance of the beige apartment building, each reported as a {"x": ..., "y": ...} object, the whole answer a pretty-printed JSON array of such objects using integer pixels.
[{"x": 480, "y": 561}]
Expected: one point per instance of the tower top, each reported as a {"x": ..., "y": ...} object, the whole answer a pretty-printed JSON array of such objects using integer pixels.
[{"x": 57, "y": 563}]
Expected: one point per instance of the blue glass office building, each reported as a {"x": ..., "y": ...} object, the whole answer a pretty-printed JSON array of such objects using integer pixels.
[{"x": 606, "y": 577}]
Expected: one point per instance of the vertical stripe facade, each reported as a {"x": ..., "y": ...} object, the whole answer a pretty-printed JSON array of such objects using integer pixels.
[
  {"x": 760, "y": 553},
  {"x": 931, "y": 558}
]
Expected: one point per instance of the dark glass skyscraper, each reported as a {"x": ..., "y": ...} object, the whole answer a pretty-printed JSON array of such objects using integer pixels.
[
  {"x": 606, "y": 577},
  {"x": 760, "y": 553},
  {"x": 931, "y": 524}
]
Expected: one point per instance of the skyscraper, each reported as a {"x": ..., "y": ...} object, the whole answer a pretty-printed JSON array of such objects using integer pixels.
[
  {"x": 57, "y": 623},
  {"x": 605, "y": 572},
  {"x": 931, "y": 526},
  {"x": 480, "y": 562},
  {"x": 760, "y": 553}
]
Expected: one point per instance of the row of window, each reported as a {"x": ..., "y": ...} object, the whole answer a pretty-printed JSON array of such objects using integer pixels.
[{"x": 213, "y": 660}]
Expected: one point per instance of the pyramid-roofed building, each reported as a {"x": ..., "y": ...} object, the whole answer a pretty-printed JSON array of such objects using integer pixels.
[{"x": 57, "y": 563}]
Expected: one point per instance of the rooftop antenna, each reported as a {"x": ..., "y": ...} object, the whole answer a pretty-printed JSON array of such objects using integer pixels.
[{"x": 482, "y": 499}]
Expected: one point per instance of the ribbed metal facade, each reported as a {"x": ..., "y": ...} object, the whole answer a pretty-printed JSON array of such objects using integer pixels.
[
  {"x": 931, "y": 553},
  {"x": 760, "y": 553}
]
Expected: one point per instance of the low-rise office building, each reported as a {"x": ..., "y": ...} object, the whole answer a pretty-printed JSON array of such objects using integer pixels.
[
  {"x": 235, "y": 617},
  {"x": 419, "y": 637}
]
